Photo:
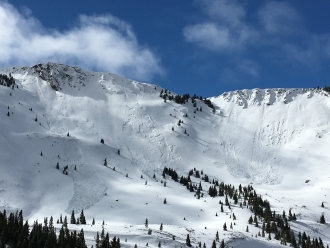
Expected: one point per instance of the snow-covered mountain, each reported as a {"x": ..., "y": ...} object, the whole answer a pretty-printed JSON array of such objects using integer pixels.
[{"x": 273, "y": 139}]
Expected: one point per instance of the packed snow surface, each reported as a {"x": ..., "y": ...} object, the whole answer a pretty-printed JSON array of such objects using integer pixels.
[{"x": 274, "y": 139}]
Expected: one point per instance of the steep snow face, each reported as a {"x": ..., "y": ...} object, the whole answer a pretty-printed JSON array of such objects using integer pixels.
[
  {"x": 265, "y": 132},
  {"x": 274, "y": 138}
]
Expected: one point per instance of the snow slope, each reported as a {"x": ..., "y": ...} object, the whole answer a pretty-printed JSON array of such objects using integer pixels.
[{"x": 275, "y": 139}]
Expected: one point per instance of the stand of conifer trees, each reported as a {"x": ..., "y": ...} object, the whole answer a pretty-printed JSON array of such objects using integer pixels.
[{"x": 14, "y": 232}]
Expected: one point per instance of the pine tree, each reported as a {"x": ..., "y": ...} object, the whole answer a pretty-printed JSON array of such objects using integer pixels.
[
  {"x": 75, "y": 167},
  {"x": 146, "y": 223},
  {"x": 247, "y": 228},
  {"x": 68, "y": 134},
  {"x": 165, "y": 201},
  {"x": 41, "y": 154},
  {"x": 8, "y": 114},
  {"x": 322, "y": 205},
  {"x": 188, "y": 240},
  {"x": 255, "y": 220},
  {"x": 65, "y": 222},
  {"x": 161, "y": 227},
  {"x": 217, "y": 236},
  {"x": 250, "y": 220},
  {"x": 102, "y": 141},
  {"x": 322, "y": 219},
  {"x": 222, "y": 244},
  {"x": 82, "y": 218},
  {"x": 93, "y": 222},
  {"x": 105, "y": 162},
  {"x": 159, "y": 244},
  {"x": 213, "y": 244},
  {"x": 73, "y": 218},
  {"x": 225, "y": 226},
  {"x": 118, "y": 152},
  {"x": 231, "y": 225}
]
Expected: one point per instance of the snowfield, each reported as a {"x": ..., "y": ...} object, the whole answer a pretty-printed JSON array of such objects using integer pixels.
[{"x": 276, "y": 140}]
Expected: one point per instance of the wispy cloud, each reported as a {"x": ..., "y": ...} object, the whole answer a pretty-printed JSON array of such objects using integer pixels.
[
  {"x": 224, "y": 29},
  {"x": 277, "y": 32},
  {"x": 103, "y": 43},
  {"x": 279, "y": 18}
]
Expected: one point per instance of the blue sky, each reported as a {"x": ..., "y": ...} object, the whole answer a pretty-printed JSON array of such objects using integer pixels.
[{"x": 203, "y": 46}]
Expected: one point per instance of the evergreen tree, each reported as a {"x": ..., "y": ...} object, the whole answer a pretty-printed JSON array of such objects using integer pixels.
[
  {"x": 222, "y": 245},
  {"x": 118, "y": 152},
  {"x": 225, "y": 226},
  {"x": 188, "y": 240},
  {"x": 165, "y": 201},
  {"x": 322, "y": 219},
  {"x": 73, "y": 218},
  {"x": 97, "y": 241},
  {"x": 213, "y": 244},
  {"x": 217, "y": 236},
  {"x": 82, "y": 218},
  {"x": 247, "y": 228},
  {"x": 65, "y": 222},
  {"x": 250, "y": 220},
  {"x": 146, "y": 223},
  {"x": 161, "y": 227},
  {"x": 105, "y": 162}
]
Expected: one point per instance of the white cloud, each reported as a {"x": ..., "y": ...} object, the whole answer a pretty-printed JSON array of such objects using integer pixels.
[
  {"x": 225, "y": 31},
  {"x": 280, "y": 18},
  {"x": 277, "y": 32},
  {"x": 225, "y": 11},
  {"x": 103, "y": 43},
  {"x": 208, "y": 35}
]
